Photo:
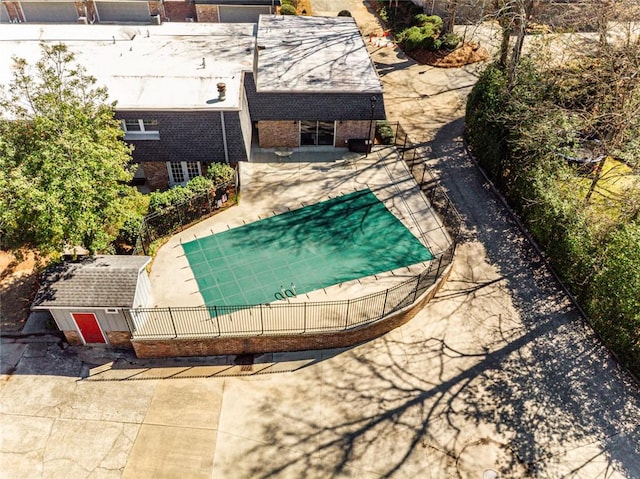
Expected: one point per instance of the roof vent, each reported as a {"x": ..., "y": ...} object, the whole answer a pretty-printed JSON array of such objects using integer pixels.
[{"x": 222, "y": 91}]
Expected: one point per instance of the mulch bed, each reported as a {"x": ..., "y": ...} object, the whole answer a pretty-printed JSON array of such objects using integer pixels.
[{"x": 463, "y": 55}]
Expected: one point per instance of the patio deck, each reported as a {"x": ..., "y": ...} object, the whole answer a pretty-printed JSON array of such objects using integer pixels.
[{"x": 271, "y": 188}]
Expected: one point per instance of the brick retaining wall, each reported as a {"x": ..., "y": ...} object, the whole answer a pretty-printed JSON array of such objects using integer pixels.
[
  {"x": 284, "y": 343},
  {"x": 119, "y": 339},
  {"x": 72, "y": 337}
]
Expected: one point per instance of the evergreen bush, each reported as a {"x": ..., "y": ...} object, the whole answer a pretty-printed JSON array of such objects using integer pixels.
[{"x": 287, "y": 9}]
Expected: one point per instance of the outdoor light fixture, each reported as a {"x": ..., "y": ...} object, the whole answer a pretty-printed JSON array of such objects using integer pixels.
[{"x": 373, "y": 100}]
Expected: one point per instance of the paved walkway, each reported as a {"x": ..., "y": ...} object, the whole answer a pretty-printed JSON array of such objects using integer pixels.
[{"x": 499, "y": 372}]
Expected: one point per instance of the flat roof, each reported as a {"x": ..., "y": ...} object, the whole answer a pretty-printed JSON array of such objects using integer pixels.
[
  {"x": 313, "y": 54},
  {"x": 240, "y": 3},
  {"x": 152, "y": 67}
]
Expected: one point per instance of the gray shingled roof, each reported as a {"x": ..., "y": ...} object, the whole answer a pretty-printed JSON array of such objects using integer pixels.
[{"x": 99, "y": 281}]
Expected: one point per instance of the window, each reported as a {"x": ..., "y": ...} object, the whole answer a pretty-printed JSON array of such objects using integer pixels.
[
  {"x": 180, "y": 172},
  {"x": 316, "y": 133},
  {"x": 141, "y": 129}
]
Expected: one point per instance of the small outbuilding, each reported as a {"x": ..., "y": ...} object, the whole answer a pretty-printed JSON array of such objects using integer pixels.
[{"x": 89, "y": 298}]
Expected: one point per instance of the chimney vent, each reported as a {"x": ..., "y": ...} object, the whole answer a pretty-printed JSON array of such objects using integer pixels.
[{"x": 222, "y": 91}]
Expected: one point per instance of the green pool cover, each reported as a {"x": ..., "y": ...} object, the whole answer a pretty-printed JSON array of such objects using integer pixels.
[{"x": 328, "y": 243}]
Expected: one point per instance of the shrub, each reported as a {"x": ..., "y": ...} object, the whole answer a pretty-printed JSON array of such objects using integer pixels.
[
  {"x": 450, "y": 41},
  {"x": 220, "y": 173},
  {"x": 160, "y": 200},
  {"x": 129, "y": 231},
  {"x": 420, "y": 37},
  {"x": 385, "y": 133},
  {"x": 288, "y": 10},
  {"x": 411, "y": 38},
  {"x": 344, "y": 13},
  {"x": 432, "y": 43},
  {"x": 422, "y": 20},
  {"x": 518, "y": 135},
  {"x": 384, "y": 15},
  {"x": 199, "y": 185},
  {"x": 293, "y": 3},
  {"x": 486, "y": 135}
]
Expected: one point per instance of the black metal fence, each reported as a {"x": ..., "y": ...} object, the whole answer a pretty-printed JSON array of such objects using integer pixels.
[
  {"x": 306, "y": 317},
  {"x": 283, "y": 318},
  {"x": 177, "y": 217},
  {"x": 399, "y": 136}
]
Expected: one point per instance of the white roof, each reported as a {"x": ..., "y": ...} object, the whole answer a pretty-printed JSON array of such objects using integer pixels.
[
  {"x": 169, "y": 66},
  {"x": 311, "y": 54}
]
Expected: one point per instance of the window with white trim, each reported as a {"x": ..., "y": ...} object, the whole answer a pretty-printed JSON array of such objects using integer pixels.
[
  {"x": 141, "y": 129},
  {"x": 180, "y": 172}
]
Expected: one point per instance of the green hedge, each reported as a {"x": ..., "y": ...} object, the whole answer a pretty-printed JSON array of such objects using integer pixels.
[
  {"x": 517, "y": 137},
  {"x": 157, "y": 201},
  {"x": 614, "y": 299}
]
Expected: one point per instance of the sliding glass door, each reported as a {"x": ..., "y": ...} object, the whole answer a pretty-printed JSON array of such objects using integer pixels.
[{"x": 316, "y": 133}]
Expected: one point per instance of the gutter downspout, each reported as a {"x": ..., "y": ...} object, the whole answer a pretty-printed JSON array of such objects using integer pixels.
[{"x": 224, "y": 138}]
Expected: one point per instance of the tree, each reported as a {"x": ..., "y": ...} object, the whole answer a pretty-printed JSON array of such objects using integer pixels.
[
  {"x": 512, "y": 15},
  {"x": 63, "y": 166}
]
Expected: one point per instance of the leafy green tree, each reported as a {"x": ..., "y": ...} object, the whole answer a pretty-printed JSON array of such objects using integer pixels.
[{"x": 63, "y": 166}]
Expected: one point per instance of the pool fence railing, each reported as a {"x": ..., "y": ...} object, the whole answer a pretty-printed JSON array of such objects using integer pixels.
[{"x": 307, "y": 317}]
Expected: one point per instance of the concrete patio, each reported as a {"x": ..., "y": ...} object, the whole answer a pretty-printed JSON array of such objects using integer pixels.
[
  {"x": 500, "y": 372},
  {"x": 272, "y": 188}
]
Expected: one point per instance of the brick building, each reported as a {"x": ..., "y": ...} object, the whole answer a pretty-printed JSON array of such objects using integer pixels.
[
  {"x": 134, "y": 11},
  {"x": 189, "y": 94}
]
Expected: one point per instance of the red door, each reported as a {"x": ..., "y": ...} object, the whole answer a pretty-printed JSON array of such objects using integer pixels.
[{"x": 89, "y": 328}]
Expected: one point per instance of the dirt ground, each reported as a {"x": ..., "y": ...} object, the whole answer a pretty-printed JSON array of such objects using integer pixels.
[
  {"x": 304, "y": 7},
  {"x": 18, "y": 286}
]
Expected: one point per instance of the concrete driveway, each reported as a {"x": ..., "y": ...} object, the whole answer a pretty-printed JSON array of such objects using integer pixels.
[{"x": 499, "y": 372}]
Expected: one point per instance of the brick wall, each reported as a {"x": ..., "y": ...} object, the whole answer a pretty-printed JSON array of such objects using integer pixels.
[
  {"x": 80, "y": 8},
  {"x": 154, "y": 8},
  {"x": 15, "y": 14},
  {"x": 119, "y": 339},
  {"x": 156, "y": 174},
  {"x": 179, "y": 10},
  {"x": 207, "y": 13},
  {"x": 346, "y": 130},
  {"x": 265, "y": 344},
  {"x": 72, "y": 337},
  {"x": 91, "y": 11},
  {"x": 272, "y": 134}
]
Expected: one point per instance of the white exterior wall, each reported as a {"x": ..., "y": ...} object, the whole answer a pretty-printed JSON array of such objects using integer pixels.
[
  {"x": 108, "y": 321},
  {"x": 245, "y": 122},
  {"x": 142, "y": 298}
]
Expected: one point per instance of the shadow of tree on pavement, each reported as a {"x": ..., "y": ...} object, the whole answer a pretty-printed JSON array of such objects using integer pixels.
[{"x": 499, "y": 371}]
